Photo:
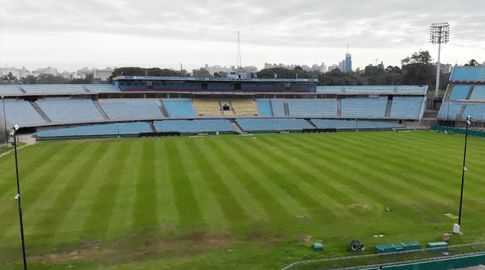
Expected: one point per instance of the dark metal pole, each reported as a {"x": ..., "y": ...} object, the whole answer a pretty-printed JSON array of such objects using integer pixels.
[
  {"x": 463, "y": 170},
  {"x": 19, "y": 200},
  {"x": 5, "y": 120}
]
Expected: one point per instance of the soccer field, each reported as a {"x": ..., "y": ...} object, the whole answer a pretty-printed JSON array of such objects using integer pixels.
[{"x": 234, "y": 202}]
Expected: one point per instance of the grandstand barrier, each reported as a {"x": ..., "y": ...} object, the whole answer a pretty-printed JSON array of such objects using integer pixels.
[{"x": 461, "y": 131}]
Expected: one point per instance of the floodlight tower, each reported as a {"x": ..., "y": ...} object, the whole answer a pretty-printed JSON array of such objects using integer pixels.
[{"x": 439, "y": 34}]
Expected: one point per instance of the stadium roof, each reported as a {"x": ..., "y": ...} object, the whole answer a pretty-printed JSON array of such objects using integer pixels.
[{"x": 208, "y": 79}]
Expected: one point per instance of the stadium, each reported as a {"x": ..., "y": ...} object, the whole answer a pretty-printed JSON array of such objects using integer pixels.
[{"x": 211, "y": 173}]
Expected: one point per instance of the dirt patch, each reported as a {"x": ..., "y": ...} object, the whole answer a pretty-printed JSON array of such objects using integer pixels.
[{"x": 126, "y": 250}]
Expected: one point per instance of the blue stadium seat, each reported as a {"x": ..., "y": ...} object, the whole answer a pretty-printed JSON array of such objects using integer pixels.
[
  {"x": 131, "y": 108},
  {"x": 195, "y": 126},
  {"x": 273, "y": 124},
  {"x": 10, "y": 90},
  {"x": 64, "y": 110},
  {"x": 312, "y": 107},
  {"x": 468, "y": 74},
  {"x": 450, "y": 111},
  {"x": 179, "y": 107},
  {"x": 407, "y": 107},
  {"x": 374, "y": 89},
  {"x": 55, "y": 88},
  {"x": 478, "y": 93},
  {"x": 477, "y": 111},
  {"x": 264, "y": 108},
  {"x": 278, "y": 107},
  {"x": 20, "y": 112},
  {"x": 353, "y": 124},
  {"x": 364, "y": 107},
  {"x": 459, "y": 92},
  {"x": 134, "y": 128}
]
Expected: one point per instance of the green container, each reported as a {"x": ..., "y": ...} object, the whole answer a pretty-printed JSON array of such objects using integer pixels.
[
  {"x": 317, "y": 246},
  {"x": 385, "y": 248},
  {"x": 438, "y": 245},
  {"x": 411, "y": 246}
]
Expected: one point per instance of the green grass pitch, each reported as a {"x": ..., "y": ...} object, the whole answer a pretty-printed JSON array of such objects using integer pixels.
[{"x": 234, "y": 202}]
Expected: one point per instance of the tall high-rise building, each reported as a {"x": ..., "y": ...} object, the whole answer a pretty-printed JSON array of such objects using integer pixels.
[{"x": 347, "y": 63}]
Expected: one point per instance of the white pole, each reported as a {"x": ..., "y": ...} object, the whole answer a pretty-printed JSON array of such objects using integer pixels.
[{"x": 438, "y": 70}]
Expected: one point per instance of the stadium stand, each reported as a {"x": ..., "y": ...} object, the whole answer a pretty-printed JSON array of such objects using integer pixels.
[
  {"x": 312, "y": 107},
  {"x": 476, "y": 110},
  {"x": 450, "y": 111},
  {"x": 375, "y": 89},
  {"x": 478, "y": 93},
  {"x": 121, "y": 129},
  {"x": 468, "y": 74},
  {"x": 465, "y": 95},
  {"x": 101, "y": 88},
  {"x": 22, "y": 113},
  {"x": 352, "y": 124},
  {"x": 207, "y": 107},
  {"x": 264, "y": 108},
  {"x": 273, "y": 124},
  {"x": 406, "y": 107},
  {"x": 195, "y": 126},
  {"x": 132, "y": 108},
  {"x": 65, "y": 110},
  {"x": 10, "y": 90},
  {"x": 460, "y": 92},
  {"x": 55, "y": 88},
  {"x": 364, "y": 107},
  {"x": 179, "y": 107},
  {"x": 278, "y": 107},
  {"x": 244, "y": 107}
]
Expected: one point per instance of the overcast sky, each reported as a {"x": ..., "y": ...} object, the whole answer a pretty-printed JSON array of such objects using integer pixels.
[{"x": 69, "y": 34}]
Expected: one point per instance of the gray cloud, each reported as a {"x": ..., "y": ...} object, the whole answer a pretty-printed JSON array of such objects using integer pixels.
[{"x": 370, "y": 24}]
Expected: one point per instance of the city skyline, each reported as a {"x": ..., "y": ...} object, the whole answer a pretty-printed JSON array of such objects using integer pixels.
[{"x": 158, "y": 33}]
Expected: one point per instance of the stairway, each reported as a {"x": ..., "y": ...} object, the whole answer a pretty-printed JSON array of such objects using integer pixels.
[
  {"x": 162, "y": 108},
  {"x": 388, "y": 107},
  {"x": 236, "y": 126},
  {"x": 100, "y": 109},
  {"x": 40, "y": 111}
]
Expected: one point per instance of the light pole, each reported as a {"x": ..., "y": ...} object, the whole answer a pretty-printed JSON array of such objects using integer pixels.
[
  {"x": 18, "y": 197},
  {"x": 5, "y": 119},
  {"x": 457, "y": 227},
  {"x": 439, "y": 34}
]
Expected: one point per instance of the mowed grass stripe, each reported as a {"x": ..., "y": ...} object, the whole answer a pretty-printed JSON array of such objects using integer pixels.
[
  {"x": 266, "y": 197},
  {"x": 168, "y": 217},
  {"x": 386, "y": 183},
  {"x": 96, "y": 224},
  {"x": 257, "y": 171},
  {"x": 294, "y": 170},
  {"x": 277, "y": 173},
  {"x": 392, "y": 172},
  {"x": 188, "y": 209},
  {"x": 299, "y": 163},
  {"x": 449, "y": 164},
  {"x": 30, "y": 159},
  {"x": 341, "y": 158},
  {"x": 233, "y": 211},
  {"x": 35, "y": 193},
  {"x": 146, "y": 202},
  {"x": 416, "y": 170},
  {"x": 86, "y": 195},
  {"x": 329, "y": 176},
  {"x": 215, "y": 158},
  {"x": 121, "y": 222},
  {"x": 67, "y": 196}
]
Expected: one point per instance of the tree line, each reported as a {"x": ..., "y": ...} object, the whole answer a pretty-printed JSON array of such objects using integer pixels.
[{"x": 417, "y": 69}]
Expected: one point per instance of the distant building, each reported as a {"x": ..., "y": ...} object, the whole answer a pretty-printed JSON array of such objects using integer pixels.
[
  {"x": 47, "y": 70},
  {"x": 333, "y": 67},
  {"x": 16, "y": 72},
  {"x": 102, "y": 74},
  {"x": 347, "y": 63}
]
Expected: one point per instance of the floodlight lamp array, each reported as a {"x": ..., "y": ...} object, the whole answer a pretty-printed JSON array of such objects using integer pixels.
[{"x": 439, "y": 33}]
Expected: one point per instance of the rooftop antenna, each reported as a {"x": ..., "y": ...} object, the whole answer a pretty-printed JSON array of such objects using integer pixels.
[
  {"x": 239, "y": 51},
  {"x": 347, "y": 47}
]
